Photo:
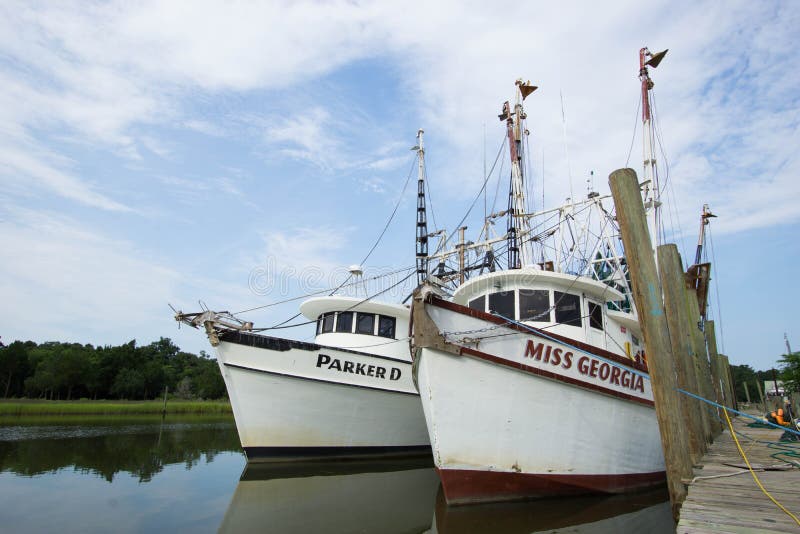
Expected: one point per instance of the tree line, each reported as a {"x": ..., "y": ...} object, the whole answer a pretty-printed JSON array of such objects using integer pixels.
[
  {"x": 65, "y": 371},
  {"x": 787, "y": 371}
]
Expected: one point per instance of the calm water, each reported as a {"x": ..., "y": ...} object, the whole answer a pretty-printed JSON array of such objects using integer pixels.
[{"x": 189, "y": 475}]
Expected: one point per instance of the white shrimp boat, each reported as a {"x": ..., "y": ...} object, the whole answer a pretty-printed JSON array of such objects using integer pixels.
[
  {"x": 533, "y": 379},
  {"x": 349, "y": 394}
]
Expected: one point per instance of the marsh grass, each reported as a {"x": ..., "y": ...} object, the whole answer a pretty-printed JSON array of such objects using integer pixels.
[{"x": 87, "y": 407}]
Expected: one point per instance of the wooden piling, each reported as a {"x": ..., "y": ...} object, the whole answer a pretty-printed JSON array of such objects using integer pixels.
[
  {"x": 711, "y": 424},
  {"x": 647, "y": 296},
  {"x": 746, "y": 392},
  {"x": 713, "y": 359},
  {"x": 670, "y": 271},
  {"x": 727, "y": 380},
  {"x": 761, "y": 396}
]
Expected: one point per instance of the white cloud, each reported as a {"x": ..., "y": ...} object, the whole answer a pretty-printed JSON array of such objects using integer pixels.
[{"x": 22, "y": 166}]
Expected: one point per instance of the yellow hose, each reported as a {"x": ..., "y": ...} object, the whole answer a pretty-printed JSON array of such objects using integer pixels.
[{"x": 744, "y": 457}]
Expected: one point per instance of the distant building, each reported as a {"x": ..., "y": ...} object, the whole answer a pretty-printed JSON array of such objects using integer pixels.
[{"x": 769, "y": 388}]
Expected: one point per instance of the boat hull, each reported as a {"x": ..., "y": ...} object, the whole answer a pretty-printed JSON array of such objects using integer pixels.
[
  {"x": 296, "y": 401},
  {"x": 506, "y": 425}
]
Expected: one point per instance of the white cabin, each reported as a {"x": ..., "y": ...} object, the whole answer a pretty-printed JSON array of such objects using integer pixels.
[
  {"x": 352, "y": 323},
  {"x": 567, "y": 305}
]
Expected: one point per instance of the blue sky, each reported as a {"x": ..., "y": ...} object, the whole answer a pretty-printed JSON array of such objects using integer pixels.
[{"x": 155, "y": 152}]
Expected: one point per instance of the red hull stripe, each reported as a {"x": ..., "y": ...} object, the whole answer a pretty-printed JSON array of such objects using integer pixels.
[
  {"x": 465, "y": 486},
  {"x": 548, "y": 374},
  {"x": 457, "y": 308}
]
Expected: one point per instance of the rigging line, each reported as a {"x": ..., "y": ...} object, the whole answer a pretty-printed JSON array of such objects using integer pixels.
[
  {"x": 280, "y": 326},
  {"x": 429, "y": 197},
  {"x": 566, "y": 146},
  {"x": 478, "y": 196},
  {"x": 499, "y": 175},
  {"x": 386, "y": 226},
  {"x": 668, "y": 185},
  {"x": 635, "y": 127},
  {"x": 322, "y": 291},
  {"x": 716, "y": 289}
]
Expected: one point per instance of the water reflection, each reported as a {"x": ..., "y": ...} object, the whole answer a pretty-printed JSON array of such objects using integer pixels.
[
  {"x": 105, "y": 446},
  {"x": 638, "y": 512},
  {"x": 406, "y": 497},
  {"x": 395, "y": 496},
  {"x": 142, "y": 474}
]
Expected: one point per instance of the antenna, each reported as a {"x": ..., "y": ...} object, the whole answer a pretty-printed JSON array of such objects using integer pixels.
[
  {"x": 566, "y": 147},
  {"x": 358, "y": 274}
]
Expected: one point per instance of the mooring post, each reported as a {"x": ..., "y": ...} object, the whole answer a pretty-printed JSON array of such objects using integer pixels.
[
  {"x": 164, "y": 410},
  {"x": 761, "y": 396},
  {"x": 710, "y": 422},
  {"x": 647, "y": 296},
  {"x": 670, "y": 271},
  {"x": 746, "y": 392},
  {"x": 716, "y": 379},
  {"x": 727, "y": 379},
  {"x": 704, "y": 363}
]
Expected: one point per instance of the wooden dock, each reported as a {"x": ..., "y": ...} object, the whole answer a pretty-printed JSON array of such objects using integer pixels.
[{"x": 735, "y": 503}]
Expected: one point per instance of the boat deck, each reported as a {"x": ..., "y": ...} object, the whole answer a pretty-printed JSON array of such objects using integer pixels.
[{"x": 734, "y": 503}]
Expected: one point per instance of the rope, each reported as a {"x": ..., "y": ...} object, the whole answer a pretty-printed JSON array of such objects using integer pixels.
[
  {"x": 633, "y": 135},
  {"x": 323, "y": 291},
  {"x": 478, "y": 196},
  {"x": 385, "y": 227},
  {"x": 752, "y": 472}
]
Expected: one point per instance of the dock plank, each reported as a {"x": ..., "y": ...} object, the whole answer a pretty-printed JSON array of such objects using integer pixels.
[{"x": 735, "y": 504}]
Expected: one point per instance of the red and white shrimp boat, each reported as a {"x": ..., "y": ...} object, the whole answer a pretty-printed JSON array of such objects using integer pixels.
[{"x": 533, "y": 379}]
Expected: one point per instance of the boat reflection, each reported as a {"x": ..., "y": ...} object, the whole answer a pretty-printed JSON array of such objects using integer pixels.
[
  {"x": 637, "y": 512},
  {"x": 405, "y": 496},
  {"x": 376, "y": 496}
]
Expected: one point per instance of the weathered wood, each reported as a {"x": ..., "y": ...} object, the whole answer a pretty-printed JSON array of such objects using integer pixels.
[
  {"x": 725, "y": 373},
  {"x": 670, "y": 271},
  {"x": 735, "y": 503},
  {"x": 711, "y": 423},
  {"x": 746, "y": 392},
  {"x": 647, "y": 297},
  {"x": 713, "y": 359},
  {"x": 761, "y": 396}
]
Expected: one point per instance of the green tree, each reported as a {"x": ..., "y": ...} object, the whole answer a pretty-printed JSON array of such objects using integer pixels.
[
  {"x": 790, "y": 371},
  {"x": 14, "y": 367},
  {"x": 128, "y": 384}
]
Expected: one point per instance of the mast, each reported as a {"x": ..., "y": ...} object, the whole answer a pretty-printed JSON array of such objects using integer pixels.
[
  {"x": 422, "y": 220},
  {"x": 702, "y": 238},
  {"x": 518, "y": 226},
  {"x": 652, "y": 191}
]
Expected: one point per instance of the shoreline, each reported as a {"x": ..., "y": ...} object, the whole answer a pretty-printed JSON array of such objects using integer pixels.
[{"x": 34, "y": 407}]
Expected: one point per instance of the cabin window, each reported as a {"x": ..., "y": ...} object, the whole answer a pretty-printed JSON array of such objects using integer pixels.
[
  {"x": 568, "y": 308},
  {"x": 344, "y": 322},
  {"x": 595, "y": 315},
  {"x": 502, "y": 303},
  {"x": 327, "y": 322},
  {"x": 534, "y": 305},
  {"x": 365, "y": 323},
  {"x": 478, "y": 303},
  {"x": 386, "y": 326},
  {"x": 635, "y": 340}
]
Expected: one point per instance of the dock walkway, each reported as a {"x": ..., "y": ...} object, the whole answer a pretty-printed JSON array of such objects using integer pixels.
[{"x": 734, "y": 503}]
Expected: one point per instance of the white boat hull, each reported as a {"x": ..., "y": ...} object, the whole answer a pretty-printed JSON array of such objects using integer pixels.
[
  {"x": 301, "y": 401},
  {"x": 509, "y": 420}
]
